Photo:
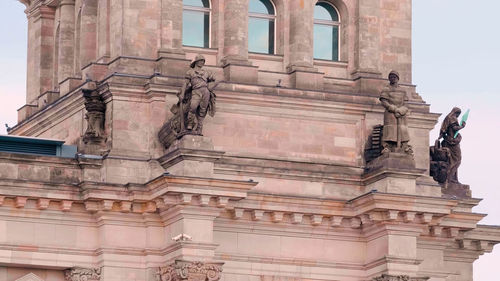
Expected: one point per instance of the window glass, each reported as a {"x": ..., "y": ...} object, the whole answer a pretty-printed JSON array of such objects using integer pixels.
[
  {"x": 324, "y": 11},
  {"x": 261, "y": 27},
  {"x": 261, "y": 7},
  {"x": 260, "y": 35},
  {"x": 326, "y": 32},
  {"x": 196, "y": 3},
  {"x": 196, "y": 23},
  {"x": 326, "y": 42}
]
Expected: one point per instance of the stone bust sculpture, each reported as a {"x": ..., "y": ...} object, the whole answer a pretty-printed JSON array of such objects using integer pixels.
[{"x": 395, "y": 135}]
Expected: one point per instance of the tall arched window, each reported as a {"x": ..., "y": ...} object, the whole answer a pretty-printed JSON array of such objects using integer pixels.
[
  {"x": 261, "y": 30},
  {"x": 326, "y": 32},
  {"x": 196, "y": 23}
]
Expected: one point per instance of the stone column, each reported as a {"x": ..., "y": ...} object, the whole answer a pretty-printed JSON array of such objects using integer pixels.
[
  {"x": 301, "y": 33},
  {"x": 66, "y": 40},
  {"x": 103, "y": 44},
  {"x": 236, "y": 31},
  {"x": 172, "y": 57},
  {"x": 88, "y": 34},
  {"x": 303, "y": 74},
  {"x": 171, "y": 26},
  {"x": 237, "y": 68},
  {"x": 40, "y": 51},
  {"x": 367, "y": 47}
]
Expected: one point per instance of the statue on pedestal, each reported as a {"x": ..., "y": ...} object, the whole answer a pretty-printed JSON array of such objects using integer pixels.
[
  {"x": 196, "y": 100},
  {"x": 395, "y": 135},
  {"x": 446, "y": 155}
]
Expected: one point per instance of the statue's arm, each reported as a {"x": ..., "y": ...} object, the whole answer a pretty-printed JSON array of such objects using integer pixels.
[
  {"x": 211, "y": 77},
  {"x": 387, "y": 105},
  {"x": 183, "y": 89},
  {"x": 457, "y": 127}
]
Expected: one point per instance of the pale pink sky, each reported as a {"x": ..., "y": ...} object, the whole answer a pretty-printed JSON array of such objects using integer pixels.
[{"x": 456, "y": 56}]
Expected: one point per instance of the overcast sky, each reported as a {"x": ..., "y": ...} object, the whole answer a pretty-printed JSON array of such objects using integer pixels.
[{"x": 456, "y": 62}]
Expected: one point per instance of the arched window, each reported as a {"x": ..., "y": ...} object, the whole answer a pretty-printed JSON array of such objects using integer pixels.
[
  {"x": 261, "y": 30},
  {"x": 326, "y": 32},
  {"x": 196, "y": 23}
]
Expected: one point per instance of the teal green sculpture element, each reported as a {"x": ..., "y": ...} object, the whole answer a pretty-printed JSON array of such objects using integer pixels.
[{"x": 464, "y": 119}]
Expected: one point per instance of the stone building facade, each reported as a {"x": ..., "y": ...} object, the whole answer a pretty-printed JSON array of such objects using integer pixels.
[{"x": 277, "y": 188}]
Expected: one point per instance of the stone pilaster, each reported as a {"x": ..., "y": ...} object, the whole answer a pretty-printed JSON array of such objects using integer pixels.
[
  {"x": 66, "y": 40},
  {"x": 40, "y": 51}
]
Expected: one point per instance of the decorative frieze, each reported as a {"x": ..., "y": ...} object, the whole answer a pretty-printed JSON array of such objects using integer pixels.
[
  {"x": 190, "y": 271},
  {"x": 386, "y": 277},
  {"x": 82, "y": 274}
]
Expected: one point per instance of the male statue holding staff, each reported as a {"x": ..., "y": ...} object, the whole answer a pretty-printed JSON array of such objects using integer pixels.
[{"x": 395, "y": 135}]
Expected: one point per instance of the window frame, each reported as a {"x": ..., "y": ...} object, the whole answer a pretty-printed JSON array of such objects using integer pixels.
[
  {"x": 269, "y": 17},
  {"x": 203, "y": 10},
  {"x": 338, "y": 24}
]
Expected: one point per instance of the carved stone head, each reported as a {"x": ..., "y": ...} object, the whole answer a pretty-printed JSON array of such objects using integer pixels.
[
  {"x": 393, "y": 77},
  {"x": 199, "y": 59}
]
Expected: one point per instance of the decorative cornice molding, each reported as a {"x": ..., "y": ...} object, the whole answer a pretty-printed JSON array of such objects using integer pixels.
[
  {"x": 82, "y": 274},
  {"x": 192, "y": 271}
]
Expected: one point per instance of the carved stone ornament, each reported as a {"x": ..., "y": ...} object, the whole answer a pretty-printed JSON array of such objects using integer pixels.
[
  {"x": 82, "y": 274},
  {"x": 386, "y": 277},
  {"x": 190, "y": 271},
  {"x": 95, "y": 106},
  {"x": 196, "y": 100}
]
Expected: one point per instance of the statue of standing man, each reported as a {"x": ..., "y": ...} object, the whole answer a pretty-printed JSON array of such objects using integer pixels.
[
  {"x": 196, "y": 98},
  {"x": 395, "y": 135}
]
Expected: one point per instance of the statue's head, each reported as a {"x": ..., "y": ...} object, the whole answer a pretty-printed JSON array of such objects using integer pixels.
[
  {"x": 393, "y": 77},
  {"x": 457, "y": 111},
  {"x": 199, "y": 61}
]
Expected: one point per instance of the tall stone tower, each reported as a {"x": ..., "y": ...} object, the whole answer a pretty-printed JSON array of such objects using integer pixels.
[{"x": 285, "y": 182}]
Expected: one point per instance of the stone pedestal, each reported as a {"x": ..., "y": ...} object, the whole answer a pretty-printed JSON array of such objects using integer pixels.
[
  {"x": 455, "y": 190},
  {"x": 307, "y": 78},
  {"x": 240, "y": 72},
  {"x": 172, "y": 62},
  {"x": 191, "y": 156},
  {"x": 392, "y": 173}
]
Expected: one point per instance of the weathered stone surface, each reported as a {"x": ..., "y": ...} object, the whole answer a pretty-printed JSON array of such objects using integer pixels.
[{"x": 279, "y": 187}]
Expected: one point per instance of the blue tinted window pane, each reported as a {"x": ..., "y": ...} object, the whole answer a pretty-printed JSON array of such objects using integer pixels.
[
  {"x": 196, "y": 3},
  {"x": 195, "y": 29},
  {"x": 260, "y": 35},
  {"x": 326, "y": 42},
  {"x": 324, "y": 11},
  {"x": 261, "y": 7}
]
